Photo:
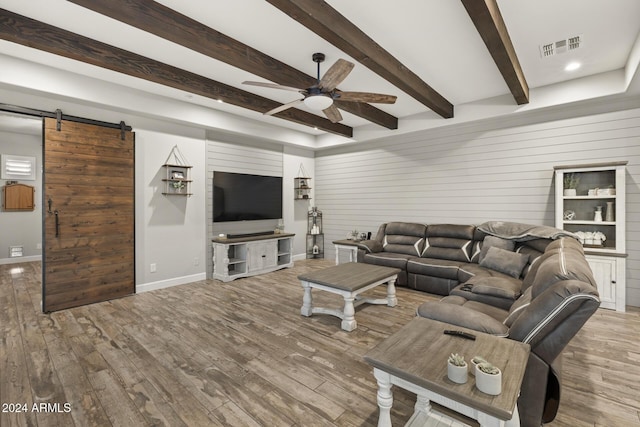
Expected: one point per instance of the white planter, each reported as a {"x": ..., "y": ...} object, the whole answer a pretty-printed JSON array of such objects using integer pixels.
[
  {"x": 472, "y": 368},
  {"x": 457, "y": 374},
  {"x": 570, "y": 192},
  {"x": 487, "y": 383}
]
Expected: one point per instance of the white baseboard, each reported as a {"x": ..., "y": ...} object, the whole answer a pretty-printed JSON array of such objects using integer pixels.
[
  {"x": 299, "y": 257},
  {"x": 18, "y": 260},
  {"x": 161, "y": 284}
]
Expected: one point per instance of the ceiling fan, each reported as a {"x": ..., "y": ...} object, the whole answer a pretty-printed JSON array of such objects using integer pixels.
[{"x": 321, "y": 95}]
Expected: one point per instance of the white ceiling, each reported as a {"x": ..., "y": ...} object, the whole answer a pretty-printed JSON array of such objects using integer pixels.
[{"x": 434, "y": 38}]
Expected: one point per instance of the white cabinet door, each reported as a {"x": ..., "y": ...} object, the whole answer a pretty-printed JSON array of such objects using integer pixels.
[
  {"x": 605, "y": 271},
  {"x": 262, "y": 255}
]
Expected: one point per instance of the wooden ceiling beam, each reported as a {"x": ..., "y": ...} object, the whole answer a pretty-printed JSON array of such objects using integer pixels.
[
  {"x": 38, "y": 35},
  {"x": 328, "y": 23},
  {"x": 487, "y": 18},
  {"x": 166, "y": 23}
]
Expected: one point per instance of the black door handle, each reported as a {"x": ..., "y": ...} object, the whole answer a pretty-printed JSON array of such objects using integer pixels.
[{"x": 57, "y": 223}]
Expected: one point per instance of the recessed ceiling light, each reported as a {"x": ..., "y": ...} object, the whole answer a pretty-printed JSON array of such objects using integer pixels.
[
  {"x": 220, "y": 101},
  {"x": 572, "y": 66}
]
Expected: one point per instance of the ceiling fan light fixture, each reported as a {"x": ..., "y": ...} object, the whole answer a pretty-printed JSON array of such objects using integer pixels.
[{"x": 318, "y": 102}]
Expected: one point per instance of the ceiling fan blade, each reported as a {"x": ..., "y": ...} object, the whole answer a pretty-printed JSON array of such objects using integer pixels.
[
  {"x": 375, "y": 98},
  {"x": 333, "y": 114},
  {"x": 335, "y": 75},
  {"x": 273, "y": 86},
  {"x": 284, "y": 107}
]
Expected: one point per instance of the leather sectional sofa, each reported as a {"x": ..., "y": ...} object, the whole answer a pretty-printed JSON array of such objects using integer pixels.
[{"x": 523, "y": 282}]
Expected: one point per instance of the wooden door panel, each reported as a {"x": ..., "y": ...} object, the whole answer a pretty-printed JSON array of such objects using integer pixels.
[{"x": 89, "y": 178}]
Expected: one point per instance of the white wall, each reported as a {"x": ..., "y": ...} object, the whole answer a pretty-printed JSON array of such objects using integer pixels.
[
  {"x": 22, "y": 228},
  {"x": 295, "y": 211},
  {"x": 477, "y": 172},
  {"x": 170, "y": 230}
]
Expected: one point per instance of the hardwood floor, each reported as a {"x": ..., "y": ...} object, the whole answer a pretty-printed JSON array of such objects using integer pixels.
[{"x": 240, "y": 353}]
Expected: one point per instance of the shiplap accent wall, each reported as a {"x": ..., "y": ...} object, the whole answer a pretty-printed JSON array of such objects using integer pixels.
[
  {"x": 231, "y": 157},
  {"x": 469, "y": 174}
]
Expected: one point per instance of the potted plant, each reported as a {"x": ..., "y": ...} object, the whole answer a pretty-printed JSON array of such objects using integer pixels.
[
  {"x": 178, "y": 186},
  {"x": 474, "y": 362},
  {"x": 488, "y": 378},
  {"x": 457, "y": 368},
  {"x": 571, "y": 181}
]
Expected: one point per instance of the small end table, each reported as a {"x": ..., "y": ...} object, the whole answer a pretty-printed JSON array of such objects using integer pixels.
[
  {"x": 415, "y": 359},
  {"x": 347, "y": 245}
]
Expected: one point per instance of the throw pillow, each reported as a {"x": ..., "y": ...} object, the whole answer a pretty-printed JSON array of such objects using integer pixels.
[
  {"x": 511, "y": 263},
  {"x": 493, "y": 241}
]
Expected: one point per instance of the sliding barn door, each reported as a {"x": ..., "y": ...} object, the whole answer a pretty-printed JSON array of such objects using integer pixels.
[{"x": 88, "y": 207}]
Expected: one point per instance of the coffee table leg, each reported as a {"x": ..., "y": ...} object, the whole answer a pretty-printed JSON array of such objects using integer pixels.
[
  {"x": 423, "y": 404},
  {"x": 385, "y": 397},
  {"x": 392, "y": 301},
  {"x": 349, "y": 320},
  {"x": 307, "y": 300}
]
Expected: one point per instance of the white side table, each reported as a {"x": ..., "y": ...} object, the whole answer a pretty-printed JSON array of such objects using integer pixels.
[
  {"x": 395, "y": 364},
  {"x": 348, "y": 245}
]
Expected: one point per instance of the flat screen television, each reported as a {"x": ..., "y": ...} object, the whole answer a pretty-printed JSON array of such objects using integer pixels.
[{"x": 245, "y": 197}]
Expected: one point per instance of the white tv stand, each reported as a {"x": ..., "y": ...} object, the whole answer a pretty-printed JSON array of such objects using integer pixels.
[{"x": 252, "y": 255}]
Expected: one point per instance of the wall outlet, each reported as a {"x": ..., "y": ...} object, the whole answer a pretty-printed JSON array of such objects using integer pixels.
[
  {"x": 152, "y": 267},
  {"x": 196, "y": 261},
  {"x": 38, "y": 245}
]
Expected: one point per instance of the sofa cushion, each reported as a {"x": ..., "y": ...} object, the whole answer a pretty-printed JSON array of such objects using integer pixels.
[
  {"x": 518, "y": 307},
  {"x": 404, "y": 238},
  {"x": 533, "y": 248},
  {"x": 431, "y": 284},
  {"x": 434, "y": 267},
  {"x": 495, "y": 288},
  {"x": 501, "y": 287},
  {"x": 468, "y": 271},
  {"x": 460, "y": 312},
  {"x": 566, "y": 242},
  {"x": 388, "y": 259},
  {"x": 565, "y": 263},
  {"x": 478, "y": 238},
  {"x": 449, "y": 241},
  {"x": 497, "y": 242},
  {"x": 533, "y": 268},
  {"x": 511, "y": 263}
]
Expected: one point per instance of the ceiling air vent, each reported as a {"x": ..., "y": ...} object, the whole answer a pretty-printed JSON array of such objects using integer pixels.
[
  {"x": 560, "y": 46},
  {"x": 574, "y": 42}
]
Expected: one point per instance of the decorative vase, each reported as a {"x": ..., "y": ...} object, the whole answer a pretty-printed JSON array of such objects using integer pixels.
[
  {"x": 570, "y": 192},
  {"x": 457, "y": 374},
  {"x": 610, "y": 217},
  {"x": 597, "y": 216},
  {"x": 489, "y": 383}
]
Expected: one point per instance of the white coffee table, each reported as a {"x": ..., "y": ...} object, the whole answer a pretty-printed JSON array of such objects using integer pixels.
[{"x": 348, "y": 280}]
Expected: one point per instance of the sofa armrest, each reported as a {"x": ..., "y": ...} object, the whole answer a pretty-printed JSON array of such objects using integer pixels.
[
  {"x": 554, "y": 317},
  {"x": 499, "y": 292},
  {"x": 465, "y": 317},
  {"x": 370, "y": 246}
]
